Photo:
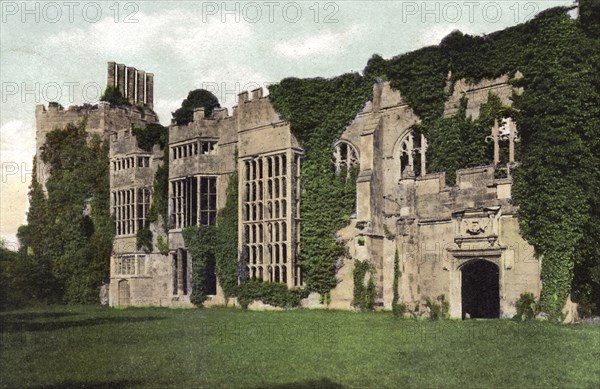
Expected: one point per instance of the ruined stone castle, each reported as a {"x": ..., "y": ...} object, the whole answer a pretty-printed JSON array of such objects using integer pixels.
[{"x": 462, "y": 241}]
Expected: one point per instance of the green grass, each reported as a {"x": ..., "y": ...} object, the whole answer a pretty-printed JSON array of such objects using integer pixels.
[{"x": 158, "y": 347}]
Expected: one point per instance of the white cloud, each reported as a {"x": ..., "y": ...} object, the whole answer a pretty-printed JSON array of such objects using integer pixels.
[
  {"x": 164, "y": 107},
  {"x": 325, "y": 43},
  {"x": 434, "y": 35},
  {"x": 17, "y": 148},
  {"x": 169, "y": 34},
  {"x": 16, "y": 136}
]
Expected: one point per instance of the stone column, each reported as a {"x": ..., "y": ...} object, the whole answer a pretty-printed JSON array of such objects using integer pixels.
[
  {"x": 150, "y": 90},
  {"x": 110, "y": 78},
  {"x": 141, "y": 83},
  {"x": 131, "y": 85},
  {"x": 423, "y": 155},
  {"x": 511, "y": 140},
  {"x": 121, "y": 78},
  {"x": 495, "y": 131}
]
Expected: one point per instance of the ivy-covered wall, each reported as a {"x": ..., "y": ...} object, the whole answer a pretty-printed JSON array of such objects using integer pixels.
[
  {"x": 319, "y": 110},
  {"x": 148, "y": 136},
  {"x": 557, "y": 116},
  {"x": 70, "y": 230}
]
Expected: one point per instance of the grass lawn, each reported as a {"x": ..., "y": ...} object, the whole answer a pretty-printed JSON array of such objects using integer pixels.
[{"x": 94, "y": 347}]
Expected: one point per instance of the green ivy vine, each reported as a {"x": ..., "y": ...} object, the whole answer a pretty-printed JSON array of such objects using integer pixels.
[
  {"x": 558, "y": 119},
  {"x": 226, "y": 250},
  {"x": 364, "y": 296},
  {"x": 200, "y": 243},
  {"x": 319, "y": 110},
  {"x": 147, "y": 136}
]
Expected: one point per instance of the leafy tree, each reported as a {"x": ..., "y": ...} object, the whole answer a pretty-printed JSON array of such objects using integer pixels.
[
  {"x": 113, "y": 95},
  {"x": 195, "y": 99}
]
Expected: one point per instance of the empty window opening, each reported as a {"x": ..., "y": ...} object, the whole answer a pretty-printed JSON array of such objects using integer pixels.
[{"x": 345, "y": 157}]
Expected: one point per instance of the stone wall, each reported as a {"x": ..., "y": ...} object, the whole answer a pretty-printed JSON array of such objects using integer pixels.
[
  {"x": 436, "y": 229},
  {"x": 424, "y": 219},
  {"x": 102, "y": 119}
]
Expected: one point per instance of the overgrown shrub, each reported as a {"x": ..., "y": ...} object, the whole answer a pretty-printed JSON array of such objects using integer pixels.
[
  {"x": 398, "y": 309},
  {"x": 113, "y": 96},
  {"x": 275, "y": 294},
  {"x": 438, "y": 311},
  {"x": 526, "y": 306},
  {"x": 200, "y": 243}
]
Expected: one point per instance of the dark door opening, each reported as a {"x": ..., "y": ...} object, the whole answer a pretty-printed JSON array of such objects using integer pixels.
[
  {"x": 480, "y": 290},
  {"x": 210, "y": 283}
]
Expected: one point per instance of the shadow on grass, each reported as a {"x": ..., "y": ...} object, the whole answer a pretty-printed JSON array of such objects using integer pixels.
[
  {"x": 91, "y": 385},
  {"x": 12, "y": 325},
  {"x": 323, "y": 383},
  {"x": 33, "y": 316}
]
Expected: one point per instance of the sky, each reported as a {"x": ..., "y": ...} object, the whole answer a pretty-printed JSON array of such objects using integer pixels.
[{"x": 58, "y": 51}]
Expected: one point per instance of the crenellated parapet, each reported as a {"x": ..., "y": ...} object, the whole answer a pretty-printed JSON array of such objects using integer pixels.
[{"x": 255, "y": 110}]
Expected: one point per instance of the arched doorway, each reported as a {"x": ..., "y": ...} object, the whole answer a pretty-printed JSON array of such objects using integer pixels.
[
  {"x": 480, "y": 289},
  {"x": 124, "y": 298}
]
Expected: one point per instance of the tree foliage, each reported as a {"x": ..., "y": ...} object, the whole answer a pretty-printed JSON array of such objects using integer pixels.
[
  {"x": 113, "y": 95},
  {"x": 195, "y": 99},
  {"x": 200, "y": 243}
]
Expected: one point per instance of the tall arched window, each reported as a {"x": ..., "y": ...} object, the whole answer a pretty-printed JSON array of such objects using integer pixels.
[
  {"x": 410, "y": 155},
  {"x": 345, "y": 156},
  {"x": 406, "y": 155}
]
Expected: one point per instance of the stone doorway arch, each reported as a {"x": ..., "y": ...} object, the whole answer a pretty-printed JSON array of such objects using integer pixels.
[{"x": 480, "y": 289}]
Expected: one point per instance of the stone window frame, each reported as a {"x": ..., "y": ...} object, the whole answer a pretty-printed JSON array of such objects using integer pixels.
[
  {"x": 345, "y": 154},
  {"x": 193, "y": 148},
  {"x": 130, "y": 265},
  {"x": 129, "y": 212},
  {"x": 266, "y": 209},
  {"x": 130, "y": 162},
  {"x": 187, "y": 211},
  {"x": 405, "y": 150}
]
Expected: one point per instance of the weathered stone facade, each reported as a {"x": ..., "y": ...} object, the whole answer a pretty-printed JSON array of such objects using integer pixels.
[{"x": 452, "y": 240}]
